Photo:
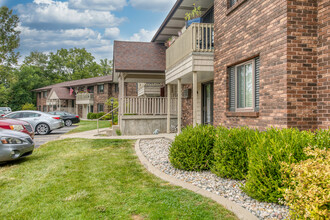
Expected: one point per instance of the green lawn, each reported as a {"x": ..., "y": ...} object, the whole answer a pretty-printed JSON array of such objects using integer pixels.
[
  {"x": 94, "y": 179},
  {"x": 89, "y": 125}
]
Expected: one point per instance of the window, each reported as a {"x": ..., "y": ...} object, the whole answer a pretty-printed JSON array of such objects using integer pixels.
[
  {"x": 39, "y": 95},
  {"x": 14, "y": 115},
  {"x": 91, "y": 108},
  {"x": 100, "y": 88},
  {"x": 39, "y": 107},
  {"x": 44, "y": 108},
  {"x": 72, "y": 103},
  {"x": 116, "y": 88},
  {"x": 90, "y": 89},
  {"x": 232, "y": 2},
  {"x": 44, "y": 94},
  {"x": 100, "y": 108},
  {"x": 244, "y": 86},
  {"x": 30, "y": 115}
]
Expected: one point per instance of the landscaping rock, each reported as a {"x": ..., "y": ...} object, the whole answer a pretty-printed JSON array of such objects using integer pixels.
[{"x": 157, "y": 150}]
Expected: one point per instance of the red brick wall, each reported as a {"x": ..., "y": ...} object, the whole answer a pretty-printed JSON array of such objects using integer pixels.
[
  {"x": 187, "y": 107},
  {"x": 41, "y": 101},
  {"x": 131, "y": 89},
  {"x": 253, "y": 28},
  {"x": 323, "y": 51},
  {"x": 302, "y": 63}
]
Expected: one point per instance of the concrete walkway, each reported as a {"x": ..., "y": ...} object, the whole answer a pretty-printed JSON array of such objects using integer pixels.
[{"x": 93, "y": 135}]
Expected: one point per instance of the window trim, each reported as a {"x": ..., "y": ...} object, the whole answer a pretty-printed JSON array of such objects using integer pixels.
[
  {"x": 246, "y": 109},
  {"x": 98, "y": 90}
]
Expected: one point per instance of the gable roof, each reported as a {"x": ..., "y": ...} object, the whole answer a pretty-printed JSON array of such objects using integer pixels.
[
  {"x": 80, "y": 82},
  {"x": 62, "y": 93},
  {"x": 139, "y": 57}
]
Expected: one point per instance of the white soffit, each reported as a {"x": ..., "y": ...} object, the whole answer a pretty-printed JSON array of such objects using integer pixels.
[{"x": 172, "y": 25}]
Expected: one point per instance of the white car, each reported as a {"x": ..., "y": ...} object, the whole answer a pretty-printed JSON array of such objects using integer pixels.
[
  {"x": 5, "y": 110},
  {"x": 42, "y": 123}
]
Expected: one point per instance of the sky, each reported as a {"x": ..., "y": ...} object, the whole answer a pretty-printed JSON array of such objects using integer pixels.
[{"x": 49, "y": 25}]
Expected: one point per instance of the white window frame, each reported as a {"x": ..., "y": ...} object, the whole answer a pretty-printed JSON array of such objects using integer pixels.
[{"x": 246, "y": 109}]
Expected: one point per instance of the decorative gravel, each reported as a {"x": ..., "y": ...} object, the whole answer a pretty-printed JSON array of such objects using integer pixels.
[{"x": 157, "y": 150}]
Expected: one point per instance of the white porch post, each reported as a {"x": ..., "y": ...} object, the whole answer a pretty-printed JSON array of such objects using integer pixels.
[
  {"x": 122, "y": 96},
  {"x": 179, "y": 105},
  {"x": 168, "y": 108},
  {"x": 195, "y": 93}
]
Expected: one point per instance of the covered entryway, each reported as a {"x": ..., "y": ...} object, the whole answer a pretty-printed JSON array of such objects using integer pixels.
[{"x": 207, "y": 103}]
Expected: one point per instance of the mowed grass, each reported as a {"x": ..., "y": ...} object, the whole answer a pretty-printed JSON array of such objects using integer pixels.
[
  {"x": 89, "y": 125},
  {"x": 94, "y": 179}
]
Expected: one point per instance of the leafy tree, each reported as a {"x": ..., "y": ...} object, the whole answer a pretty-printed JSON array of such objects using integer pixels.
[
  {"x": 29, "y": 106},
  {"x": 106, "y": 66},
  {"x": 9, "y": 41},
  {"x": 9, "y": 37},
  {"x": 73, "y": 64}
]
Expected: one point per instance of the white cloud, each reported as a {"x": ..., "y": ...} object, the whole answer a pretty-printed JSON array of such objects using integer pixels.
[
  {"x": 52, "y": 40},
  {"x": 48, "y": 14},
  {"x": 111, "y": 33},
  {"x": 100, "y": 5},
  {"x": 143, "y": 35},
  {"x": 154, "y": 5}
]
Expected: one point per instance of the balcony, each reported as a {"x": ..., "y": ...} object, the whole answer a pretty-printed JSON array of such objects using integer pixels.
[
  {"x": 149, "y": 89},
  {"x": 192, "y": 51},
  {"x": 85, "y": 98}
]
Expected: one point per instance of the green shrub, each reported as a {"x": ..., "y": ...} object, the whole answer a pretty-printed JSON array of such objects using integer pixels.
[
  {"x": 266, "y": 152},
  {"x": 90, "y": 115},
  {"x": 230, "y": 152},
  {"x": 322, "y": 139},
  {"x": 118, "y": 132},
  {"x": 192, "y": 149},
  {"x": 29, "y": 106},
  {"x": 308, "y": 192},
  {"x": 99, "y": 115}
]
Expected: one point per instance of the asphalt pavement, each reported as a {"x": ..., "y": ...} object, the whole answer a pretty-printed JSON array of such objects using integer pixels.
[{"x": 54, "y": 135}]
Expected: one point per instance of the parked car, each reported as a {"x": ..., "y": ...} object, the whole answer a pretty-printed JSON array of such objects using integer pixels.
[
  {"x": 42, "y": 123},
  {"x": 14, "y": 145},
  {"x": 2, "y": 113},
  {"x": 5, "y": 110},
  {"x": 17, "y": 125},
  {"x": 68, "y": 118}
]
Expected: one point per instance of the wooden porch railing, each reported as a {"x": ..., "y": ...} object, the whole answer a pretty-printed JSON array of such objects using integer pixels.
[{"x": 148, "y": 106}]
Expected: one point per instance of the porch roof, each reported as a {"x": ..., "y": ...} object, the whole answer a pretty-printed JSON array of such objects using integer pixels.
[
  {"x": 175, "y": 21},
  {"x": 139, "y": 57}
]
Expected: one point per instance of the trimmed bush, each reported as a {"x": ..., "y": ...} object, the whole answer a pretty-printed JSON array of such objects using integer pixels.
[
  {"x": 192, "y": 149},
  {"x": 90, "y": 115},
  {"x": 230, "y": 152},
  {"x": 266, "y": 153},
  {"x": 322, "y": 139},
  {"x": 308, "y": 192},
  {"x": 99, "y": 115}
]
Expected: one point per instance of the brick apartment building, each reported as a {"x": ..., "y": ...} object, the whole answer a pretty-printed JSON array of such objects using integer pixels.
[
  {"x": 249, "y": 63},
  {"x": 80, "y": 96}
]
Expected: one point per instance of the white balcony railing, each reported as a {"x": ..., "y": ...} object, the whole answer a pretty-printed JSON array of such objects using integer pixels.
[
  {"x": 85, "y": 98},
  {"x": 149, "y": 89},
  {"x": 149, "y": 106},
  {"x": 199, "y": 37}
]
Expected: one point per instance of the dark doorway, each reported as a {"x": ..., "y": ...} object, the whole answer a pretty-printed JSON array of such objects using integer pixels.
[{"x": 207, "y": 103}]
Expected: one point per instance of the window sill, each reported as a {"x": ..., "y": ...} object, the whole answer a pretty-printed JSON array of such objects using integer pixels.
[
  {"x": 233, "y": 8},
  {"x": 243, "y": 114}
]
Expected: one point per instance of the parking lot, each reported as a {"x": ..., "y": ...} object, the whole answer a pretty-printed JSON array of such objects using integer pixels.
[{"x": 41, "y": 139}]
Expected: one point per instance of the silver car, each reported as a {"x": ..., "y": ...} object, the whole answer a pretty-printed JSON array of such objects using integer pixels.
[
  {"x": 42, "y": 123},
  {"x": 14, "y": 145},
  {"x": 5, "y": 110}
]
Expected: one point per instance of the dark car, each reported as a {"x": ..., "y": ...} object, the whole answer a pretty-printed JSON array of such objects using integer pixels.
[
  {"x": 17, "y": 125},
  {"x": 68, "y": 118}
]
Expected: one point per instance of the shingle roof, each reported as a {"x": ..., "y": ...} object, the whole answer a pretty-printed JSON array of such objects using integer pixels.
[
  {"x": 63, "y": 93},
  {"x": 139, "y": 57},
  {"x": 80, "y": 82}
]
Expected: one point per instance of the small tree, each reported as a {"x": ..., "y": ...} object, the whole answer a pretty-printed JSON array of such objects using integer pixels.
[
  {"x": 115, "y": 102},
  {"x": 29, "y": 106}
]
